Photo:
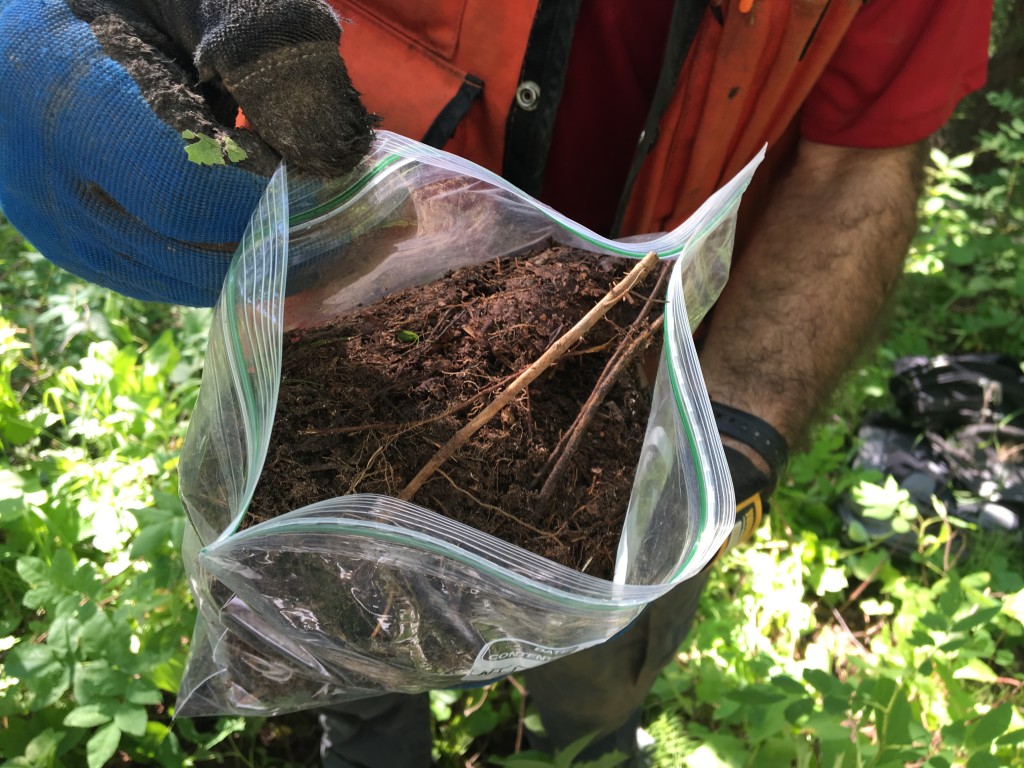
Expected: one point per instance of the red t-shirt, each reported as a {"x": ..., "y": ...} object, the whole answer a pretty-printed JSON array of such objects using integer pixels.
[
  {"x": 899, "y": 72},
  {"x": 896, "y": 77}
]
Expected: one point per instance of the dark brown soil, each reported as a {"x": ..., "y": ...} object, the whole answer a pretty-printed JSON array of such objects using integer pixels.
[{"x": 367, "y": 401}]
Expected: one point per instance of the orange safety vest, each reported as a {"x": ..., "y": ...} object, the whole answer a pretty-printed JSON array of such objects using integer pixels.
[{"x": 422, "y": 65}]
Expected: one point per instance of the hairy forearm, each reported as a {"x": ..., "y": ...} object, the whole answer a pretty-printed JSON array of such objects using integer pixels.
[{"x": 807, "y": 291}]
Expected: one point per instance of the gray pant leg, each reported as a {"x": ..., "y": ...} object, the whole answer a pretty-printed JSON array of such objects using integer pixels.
[
  {"x": 389, "y": 731},
  {"x": 602, "y": 689}
]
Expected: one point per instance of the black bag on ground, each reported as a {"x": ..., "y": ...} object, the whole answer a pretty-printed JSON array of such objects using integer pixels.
[{"x": 957, "y": 435}]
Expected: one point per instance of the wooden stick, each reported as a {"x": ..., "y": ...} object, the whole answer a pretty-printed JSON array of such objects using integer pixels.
[
  {"x": 587, "y": 414},
  {"x": 405, "y": 426},
  {"x": 635, "y": 328},
  {"x": 535, "y": 369}
]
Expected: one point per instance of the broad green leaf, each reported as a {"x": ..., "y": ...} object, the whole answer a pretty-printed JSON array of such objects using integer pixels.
[
  {"x": 533, "y": 724},
  {"x": 525, "y": 760},
  {"x": 898, "y": 720},
  {"x": 831, "y": 580},
  {"x": 131, "y": 719},
  {"x": 151, "y": 539},
  {"x": 33, "y": 570},
  {"x": 42, "y": 597},
  {"x": 64, "y": 635},
  {"x": 42, "y": 750},
  {"x": 204, "y": 150},
  {"x": 757, "y": 696},
  {"x": 142, "y": 693},
  {"x": 1014, "y": 606},
  {"x": 62, "y": 569},
  {"x": 96, "y": 680},
  {"x": 440, "y": 703},
  {"x": 566, "y": 756},
  {"x": 18, "y": 431},
  {"x": 780, "y": 751},
  {"x": 97, "y": 631},
  {"x": 12, "y": 496},
  {"x": 234, "y": 152},
  {"x": 482, "y": 721},
  {"x": 979, "y": 618},
  {"x": 900, "y": 525},
  {"x": 43, "y": 675},
  {"x": 167, "y": 676},
  {"x": 975, "y": 669},
  {"x": 989, "y": 727},
  {"x": 962, "y": 161},
  {"x": 836, "y": 704},
  {"x": 828, "y": 729},
  {"x": 102, "y": 746},
  {"x": 88, "y": 716},
  {"x": 821, "y": 681},
  {"x": 765, "y": 722},
  {"x": 897, "y": 757},
  {"x": 614, "y": 759},
  {"x": 880, "y": 502},
  {"x": 985, "y": 760},
  {"x": 798, "y": 710},
  {"x": 1011, "y": 738},
  {"x": 788, "y": 685},
  {"x": 873, "y": 607},
  {"x": 938, "y": 157},
  {"x": 726, "y": 710},
  {"x": 857, "y": 532}
]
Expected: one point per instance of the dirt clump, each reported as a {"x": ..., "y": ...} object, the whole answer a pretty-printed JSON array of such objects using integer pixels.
[{"x": 366, "y": 401}]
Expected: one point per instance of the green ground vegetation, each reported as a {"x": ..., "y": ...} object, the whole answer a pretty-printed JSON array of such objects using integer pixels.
[{"x": 811, "y": 649}]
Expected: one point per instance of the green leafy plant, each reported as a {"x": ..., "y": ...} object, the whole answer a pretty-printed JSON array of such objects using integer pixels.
[
  {"x": 94, "y": 394},
  {"x": 207, "y": 150}
]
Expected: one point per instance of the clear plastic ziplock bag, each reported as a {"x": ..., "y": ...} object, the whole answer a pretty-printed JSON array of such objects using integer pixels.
[{"x": 365, "y": 594}]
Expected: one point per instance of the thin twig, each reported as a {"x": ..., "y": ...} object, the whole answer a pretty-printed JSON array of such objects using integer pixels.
[
  {"x": 522, "y": 713},
  {"x": 383, "y": 616},
  {"x": 476, "y": 705},
  {"x": 609, "y": 366},
  {"x": 863, "y": 585},
  {"x": 1009, "y": 681},
  {"x": 498, "y": 510},
  {"x": 843, "y": 624},
  {"x": 535, "y": 369},
  {"x": 589, "y": 410}
]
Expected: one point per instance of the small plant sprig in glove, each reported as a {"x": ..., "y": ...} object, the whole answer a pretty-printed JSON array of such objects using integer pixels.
[{"x": 96, "y": 97}]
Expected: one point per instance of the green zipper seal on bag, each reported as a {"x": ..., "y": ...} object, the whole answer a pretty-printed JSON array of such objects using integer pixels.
[
  {"x": 702, "y": 491},
  {"x": 343, "y": 197}
]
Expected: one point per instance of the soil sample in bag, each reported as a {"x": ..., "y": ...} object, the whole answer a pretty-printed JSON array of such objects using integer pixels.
[{"x": 368, "y": 400}]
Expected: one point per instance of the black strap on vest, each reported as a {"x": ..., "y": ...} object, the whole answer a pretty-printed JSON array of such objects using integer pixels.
[
  {"x": 444, "y": 124},
  {"x": 528, "y": 131},
  {"x": 686, "y": 18}
]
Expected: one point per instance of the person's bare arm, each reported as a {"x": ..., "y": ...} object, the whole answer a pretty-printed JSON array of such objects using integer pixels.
[{"x": 807, "y": 292}]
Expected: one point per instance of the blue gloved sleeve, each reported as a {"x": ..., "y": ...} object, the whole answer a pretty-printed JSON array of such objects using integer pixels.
[{"x": 100, "y": 182}]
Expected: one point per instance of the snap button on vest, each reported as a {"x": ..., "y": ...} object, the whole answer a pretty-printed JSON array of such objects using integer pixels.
[{"x": 527, "y": 95}]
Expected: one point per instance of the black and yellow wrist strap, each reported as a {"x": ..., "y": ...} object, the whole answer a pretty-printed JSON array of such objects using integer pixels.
[{"x": 753, "y": 486}]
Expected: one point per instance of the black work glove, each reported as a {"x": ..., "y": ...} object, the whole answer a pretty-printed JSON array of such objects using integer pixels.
[
  {"x": 95, "y": 97},
  {"x": 277, "y": 59},
  {"x": 753, "y": 486}
]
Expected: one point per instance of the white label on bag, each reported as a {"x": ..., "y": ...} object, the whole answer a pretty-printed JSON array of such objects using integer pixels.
[{"x": 509, "y": 655}]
